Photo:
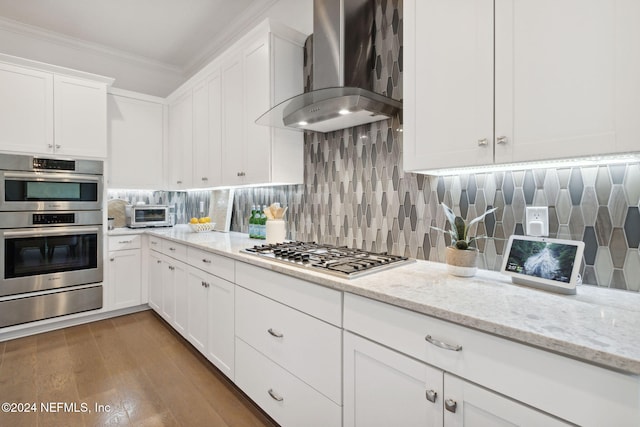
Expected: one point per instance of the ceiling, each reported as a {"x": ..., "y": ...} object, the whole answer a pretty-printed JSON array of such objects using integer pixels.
[{"x": 177, "y": 36}]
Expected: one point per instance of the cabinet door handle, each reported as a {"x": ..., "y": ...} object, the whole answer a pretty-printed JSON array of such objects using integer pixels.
[
  {"x": 482, "y": 142},
  {"x": 172, "y": 249},
  {"x": 178, "y": 182},
  {"x": 112, "y": 259},
  {"x": 432, "y": 395},
  {"x": 275, "y": 333},
  {"x": 171, "y": 268},
  {"x": 450, "y": 405},
  {"x": 206, "y": 261},
  {"x": 204, "y": 178},
  {"x": 50, "y": 145},
  {"x": 58, "y": 146},
  {"x": 205, "y": 284},
  {"x": 441, "y": 344},
  {"x": 158, "y": 261},
  {"x": 502, "y": 140},
  {"x": 275, "y": 396}
]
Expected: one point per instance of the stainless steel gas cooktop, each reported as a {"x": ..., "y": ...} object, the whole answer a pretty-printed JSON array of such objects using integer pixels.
[{"x": 335, "y": 260}]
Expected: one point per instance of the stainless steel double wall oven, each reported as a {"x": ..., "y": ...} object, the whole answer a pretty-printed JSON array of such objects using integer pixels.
[{"x": 51, "y": 237}]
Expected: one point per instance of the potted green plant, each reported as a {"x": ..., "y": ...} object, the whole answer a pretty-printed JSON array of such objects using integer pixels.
[{"x": 462, "y": 255}]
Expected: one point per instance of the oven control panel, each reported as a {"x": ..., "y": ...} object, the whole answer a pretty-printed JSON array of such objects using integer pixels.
[
  {"x": 54, "y": 218},
  {"x": 54, "y": 164}
]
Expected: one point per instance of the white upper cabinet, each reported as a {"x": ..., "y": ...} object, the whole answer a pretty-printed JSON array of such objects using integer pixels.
[
  {"x": 180, "y": 154},
  {"x": 207, "y": 132},
  {"x": 136, "y": 132},
  {"x": 251, "y": 76},
  {"x": 80, "y": 117},
  {"x": 44, "y": 112},
  {"x": 555, "y": 79},
  {"x": 26, "y": 109}
]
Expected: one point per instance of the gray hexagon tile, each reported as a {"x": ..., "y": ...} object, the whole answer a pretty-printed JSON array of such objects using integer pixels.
[{"x": 356, "y": 193}]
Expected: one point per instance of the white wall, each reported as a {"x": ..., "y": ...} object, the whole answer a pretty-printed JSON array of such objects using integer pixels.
[{"x": 297, "y": 14}]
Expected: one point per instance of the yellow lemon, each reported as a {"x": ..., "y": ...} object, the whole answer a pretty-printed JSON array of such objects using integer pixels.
[
  {"x": 207, "y": 219},
  {"x": 201, "y": 220},
  {"x": 193, "y": 220}
]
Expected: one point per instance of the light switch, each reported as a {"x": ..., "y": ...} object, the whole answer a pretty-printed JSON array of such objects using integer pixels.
[{"x": 537, "y": 218}]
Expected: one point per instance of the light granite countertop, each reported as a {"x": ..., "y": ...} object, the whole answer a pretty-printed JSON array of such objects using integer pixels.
[{"x": 597, "y": 325}]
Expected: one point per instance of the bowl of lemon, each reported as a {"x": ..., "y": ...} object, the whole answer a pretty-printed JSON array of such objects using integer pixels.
[{"x": 202, "y": 224}]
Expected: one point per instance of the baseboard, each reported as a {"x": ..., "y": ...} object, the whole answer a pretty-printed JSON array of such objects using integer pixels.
[{"x": 62, "y": 322}]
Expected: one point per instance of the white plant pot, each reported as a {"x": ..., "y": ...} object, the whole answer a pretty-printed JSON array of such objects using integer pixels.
[{"x": 461, "y": 262}]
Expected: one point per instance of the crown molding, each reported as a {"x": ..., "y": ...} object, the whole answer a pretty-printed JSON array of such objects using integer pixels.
[
  {"x": 31, "y": 31},
  {"x": 236, "y": 29}
]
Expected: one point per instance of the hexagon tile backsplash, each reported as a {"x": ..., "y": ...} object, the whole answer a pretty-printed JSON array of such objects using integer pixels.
[{"x": 356, "y": 194}]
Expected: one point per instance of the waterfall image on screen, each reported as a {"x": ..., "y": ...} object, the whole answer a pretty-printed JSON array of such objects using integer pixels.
[{"x": 553, "y": 261}]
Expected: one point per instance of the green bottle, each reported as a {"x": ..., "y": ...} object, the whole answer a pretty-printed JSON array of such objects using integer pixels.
[
  {"x": 252, "y": 222},
  {"x": 263, "y": 224}
]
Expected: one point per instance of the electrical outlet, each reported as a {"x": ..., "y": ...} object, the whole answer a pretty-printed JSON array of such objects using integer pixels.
[{"x": 537, "y": 218}]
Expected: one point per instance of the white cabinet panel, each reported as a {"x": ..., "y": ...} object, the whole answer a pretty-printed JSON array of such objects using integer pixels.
[
  {"x": 155, "y": 281},
  {"x": 207, "y": 132},
  {"x": 385, "y": 388},
  {"x": 285, "y": 398},
  {"x": 26, "y": 109},
  {"x": 197, "y": 309},
  {"x": 125, "y": 278},
  {"x": 136, "y": 129},
  {"x": 180, "y": 143},
  {"x": 220, "y": 325},
  {"x": 233, "y": 147},
  {"x": 303, "y": 345},
  {"x": 80, "y": 117}
]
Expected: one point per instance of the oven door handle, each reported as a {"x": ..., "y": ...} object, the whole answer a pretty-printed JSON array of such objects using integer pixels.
[
  {"x": 57, "y": 232},
  {"x": 39, "y": 176}
]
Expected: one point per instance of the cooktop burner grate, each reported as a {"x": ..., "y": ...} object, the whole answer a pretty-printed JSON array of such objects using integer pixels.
[{"x": 340, "y": 261}]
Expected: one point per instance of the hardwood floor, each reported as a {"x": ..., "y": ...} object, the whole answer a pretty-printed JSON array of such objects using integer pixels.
[{"x": 136, "y": 364}]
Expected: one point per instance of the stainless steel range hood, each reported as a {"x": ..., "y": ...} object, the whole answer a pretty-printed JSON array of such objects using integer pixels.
[{"x": 342, "y": 73}]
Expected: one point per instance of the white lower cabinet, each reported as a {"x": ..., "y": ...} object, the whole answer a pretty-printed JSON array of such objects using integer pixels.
[
  {"x": 210, "y": 320},
  {"x": 383, "y": 387},
  {"x": 286, "y": 398},
  {"x": 154, "y": 278},
  {"x": 124, "y": 272},
  {"x": 480, "y": 369}
]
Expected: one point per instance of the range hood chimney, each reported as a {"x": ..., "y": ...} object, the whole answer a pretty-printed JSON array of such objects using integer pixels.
[{"x": 342, "y": 73}]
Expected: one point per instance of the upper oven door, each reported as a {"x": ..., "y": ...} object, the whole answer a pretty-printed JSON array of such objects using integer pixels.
[
  {"x": 32, "y": 191},
  {"x": 36, "y": 259}
]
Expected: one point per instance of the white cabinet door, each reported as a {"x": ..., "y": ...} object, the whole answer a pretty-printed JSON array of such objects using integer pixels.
[
  {"x": 197, "y": 308},
  {"x": 469, "y": 405},
  {"x": 155, "y": 279},
  {"x": 256, "y": 101},
  {"x": 80, "y": 117},
  {"x": 180, "y": 280},
  {"x": 555, "y": 75},
  {"x": 180, "y": 143},
  {"x": 125, "y": 278},
  {"x": 26, "y": 110},
  {"x": 220, "y": 338},
  {"x": 135, "y": 142},
  {"x": 207, "y": 132},
  {"x": 385, "y": 388},
  {"x": 168, "y": 292},
  {"x": 233, "y": 122},
  {"x": 448, "y": 94}
]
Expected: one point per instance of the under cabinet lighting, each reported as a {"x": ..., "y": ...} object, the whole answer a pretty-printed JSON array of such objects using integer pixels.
[
  {"x": 303, "y": 123},
  {"x": 344, "y": 112},
  {"x": 565, "y": 163}
]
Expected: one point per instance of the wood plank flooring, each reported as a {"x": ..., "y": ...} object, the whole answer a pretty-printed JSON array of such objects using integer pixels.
[{"x": 136, "y": 364}]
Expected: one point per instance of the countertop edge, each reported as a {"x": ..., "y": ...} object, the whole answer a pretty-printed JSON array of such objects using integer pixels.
[{"x": 581, "y": 353}]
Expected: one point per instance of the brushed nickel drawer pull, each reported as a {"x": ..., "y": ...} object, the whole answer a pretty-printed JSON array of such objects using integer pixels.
[
  {"x": 275, "y": 396},
  {"x": 441, "y": 344},
  {"x": 432, "y": 395},
  {"x": 450, "y": 405},
  {"x": 275, "y": 333},
  {"x": 206, "y": 261},
  {"x": 172, "y": 249}
]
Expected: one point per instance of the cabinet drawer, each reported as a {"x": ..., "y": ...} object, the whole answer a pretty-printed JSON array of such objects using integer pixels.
[
  {"x": 285, "y": 398},
  {"x": 119, "y": 243},
  {"x": 155, "y": 243},
  {"x": 174, "y": 250},
  {"x": 316, "y": 300},
  {"x": 305, "y": 346},
  {"x": 576, "y": 391},
  {"x": 217, "y": 265}
]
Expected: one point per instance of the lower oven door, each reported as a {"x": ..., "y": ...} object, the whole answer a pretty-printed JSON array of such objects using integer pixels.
[{"x": 37, "y": 259}]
